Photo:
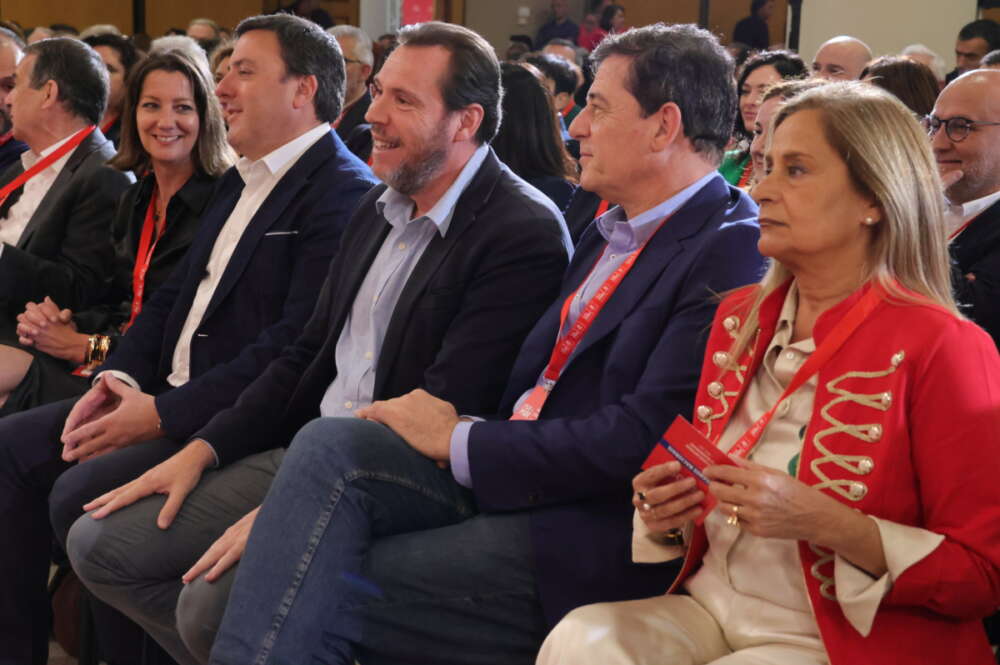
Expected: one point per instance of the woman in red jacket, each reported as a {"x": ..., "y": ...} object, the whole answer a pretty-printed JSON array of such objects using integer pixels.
[{"x": 860, "y": 522}]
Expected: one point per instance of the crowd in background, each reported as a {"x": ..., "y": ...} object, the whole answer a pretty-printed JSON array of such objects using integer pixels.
[{"x": 316, "y": 347}]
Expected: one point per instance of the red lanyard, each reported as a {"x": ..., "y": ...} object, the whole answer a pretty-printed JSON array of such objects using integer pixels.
[
  {"x": 843, "y": 330},
  {"x": 6, "y": 137},
  {"x": 108, "y": 125},
  {"x": 745, "y": 176},
  {"x": 602, "y": 208},
  {"x": 569, "y": 107},
  {"x": 954, "y": 234},
  {"x": 45, "y": 162},
  {"x": 147, "y": 245},
  {"x": 532, "y": 405}
]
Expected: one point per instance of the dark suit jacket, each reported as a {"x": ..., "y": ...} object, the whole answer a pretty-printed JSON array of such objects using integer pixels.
[
  {"x": 354, "y": 116},
  {"x": 455, "y": 330},
  {"x": 976, "y": 251},
  {"x": 265, "y": 295},
  {"x": 10, "y": 152},
  {"x": 634, "y": 371},
  {"x": 65, "y": 251}
]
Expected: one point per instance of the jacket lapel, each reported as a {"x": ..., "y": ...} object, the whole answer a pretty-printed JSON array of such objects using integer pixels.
[
  {"x": 475, "y": 196},
  {"x": 284, "y": 192},
  {"x": 92, "y": 143},
  {"x": 664, "y": 246}
]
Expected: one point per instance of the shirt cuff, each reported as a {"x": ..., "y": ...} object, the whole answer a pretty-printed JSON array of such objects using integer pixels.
[
  {"x": 459, "y": 452},
  {"x": 860, "y": 594},
  {"x": 121, "y": 376},
  {"x": 215, "y": 454},
  {"x": 646, "y": 548}
]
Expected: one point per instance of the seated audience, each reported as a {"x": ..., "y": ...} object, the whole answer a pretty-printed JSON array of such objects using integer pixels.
[
  {"x": 991, "y": 60},
  {"x": 56, "y": 206},
  {"x": 359, "y": 59},
  {"x": 529, "y": 140},
  {"x": 561, "y": 82},
  {"x": 563, "y": 48},
  {"x": 911, "y": 82},
  {"x": 559, "y": 26},
  {"x": 760, "y": 72},
  {"x": 219, "y": 62},
  {"x": 613, "y": 19},
  {"x": 483, "y": 544},
  {"x": 99, "y": 29},
  {"x": 120, "y": 56},
  {"x": 965, "y": 135},
  {"x": 11, "y": 52},
  {"x": 841, "y": 59},
  {"x": 927, "y": 57},
  {"x": 591, "y": 33},
  {"x": 181, "y": 43},
  {"x": 174, "y": 135},
  {"x": 975, "y": 40},
  {"x": 470, "y": 232},
  {"x": 753, "y": 30},
  {"x": 860, "y": 525},
  {"x": 308, "y": 9},
  {"x": 772, "y": 100},
  {"x": 243, "y": 292},
  {"x": 205, "y": 31}
]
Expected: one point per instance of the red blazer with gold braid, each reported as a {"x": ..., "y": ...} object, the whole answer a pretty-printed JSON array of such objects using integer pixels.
[{"x": 905, "y": 427}]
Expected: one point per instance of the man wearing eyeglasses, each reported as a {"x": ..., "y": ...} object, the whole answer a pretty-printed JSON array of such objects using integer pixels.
[
  {"x": 358, "y": 61},
  {"x": 965, "y": 134}
]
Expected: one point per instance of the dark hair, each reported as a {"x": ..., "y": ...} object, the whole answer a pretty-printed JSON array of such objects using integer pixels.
[
  {"x": 984, "y": 29},
  {"x": 64, "y": 28},
  {"x": 608, "y": 15},
  {"x": 991, "y": 58},
  {"x": 307, "y": 50},
  {"x": 556, "y": 68},
  {"x": 212, "y": 154},
  {"x": 126, "y": 50},
  {"x": 529, "y": 142},
  {"x": 474, "y": 73},
  {"x": 912, "y": 82},
  {"x": 683, "y": 64},
  {"x": 788, "y": 65},
  {"x": 755, "y": 6},
  {"x": 79, "y": 72}
]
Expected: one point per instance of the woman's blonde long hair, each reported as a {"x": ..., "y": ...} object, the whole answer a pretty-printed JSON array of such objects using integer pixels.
[{"x": 889, "y": 159}]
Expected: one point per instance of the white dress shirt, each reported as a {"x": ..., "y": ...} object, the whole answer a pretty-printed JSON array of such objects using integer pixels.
[
  {"x": 958, "y": 214},
  {"x": 260, "y": 177},
  {"x": 19, "y": 214}
]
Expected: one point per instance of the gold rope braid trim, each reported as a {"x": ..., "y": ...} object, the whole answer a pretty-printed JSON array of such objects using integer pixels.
[
  {"x": 868, "y": 432},
  {"x": 740, "y": 371}
]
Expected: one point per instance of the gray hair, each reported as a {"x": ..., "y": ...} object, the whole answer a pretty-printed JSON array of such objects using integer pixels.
[
  {"x": 99, "y": 29},
  {"x": 182, "y": 43},
  {"x": 683, "y": 64},
  {"x": 306, "y": 50},
  {"x": 206, "y": 21},
  {"x": 78, "y": 71},
  {"x": 362, "y": 42},
  {"x": 937, "y": 63}
]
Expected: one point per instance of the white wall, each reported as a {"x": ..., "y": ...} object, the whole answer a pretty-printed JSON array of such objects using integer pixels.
[
  {"x": 497, "y": 20},
  {"x": 886, "y": 25},
  {"x": 379, "y": 16}
]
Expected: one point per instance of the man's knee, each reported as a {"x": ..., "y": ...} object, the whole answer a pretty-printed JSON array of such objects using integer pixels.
[
  {"x": 349, "y": 443},
  {"x": 199, "y": 612},
  {"x": 90, "y": 551},
  {"x": 66, "y": 502}
]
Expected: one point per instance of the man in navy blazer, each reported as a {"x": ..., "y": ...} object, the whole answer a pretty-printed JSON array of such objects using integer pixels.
[
  {"x": 244, "y": 291},
  {"x": 366, "y": 549}
]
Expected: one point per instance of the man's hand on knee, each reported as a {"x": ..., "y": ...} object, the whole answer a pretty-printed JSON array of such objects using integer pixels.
[
  {"x": 422, "y": 420},
  {"x": 111, "y": 415},
  {"x": 225, "y": 551},
  {"x": 175, "y": 477}
]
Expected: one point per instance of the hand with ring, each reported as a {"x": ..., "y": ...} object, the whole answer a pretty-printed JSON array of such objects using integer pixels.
[
  {"x": 734, "y": 516},
  {"x": 664, "y": 501}
]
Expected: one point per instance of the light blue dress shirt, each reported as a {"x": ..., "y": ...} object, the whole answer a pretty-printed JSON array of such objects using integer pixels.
[
  {"x": 624, "y": 236},
  {"x": 361, "y": 338}
]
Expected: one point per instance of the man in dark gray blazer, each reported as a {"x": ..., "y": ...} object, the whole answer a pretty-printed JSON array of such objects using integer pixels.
[{"x": 55, "y": 228}]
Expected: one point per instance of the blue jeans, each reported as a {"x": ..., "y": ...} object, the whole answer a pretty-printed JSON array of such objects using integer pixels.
[{"x": 364, "y": 549}]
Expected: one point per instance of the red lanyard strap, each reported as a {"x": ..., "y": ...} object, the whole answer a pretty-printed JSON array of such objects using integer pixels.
[
  {"x": 532, "y": 405},
  {"x": 834, "y": 340},
  {"x": 147, "y": 245},
  {"x": 45, "y": 162}
]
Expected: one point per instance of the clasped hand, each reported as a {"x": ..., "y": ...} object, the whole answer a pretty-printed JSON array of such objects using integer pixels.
[
  {"x": 422, "y": 420},
  {"x": 772, "y": 504},
  {"x": 110, "y": 415},
  {"x": 51, "y": 330}
]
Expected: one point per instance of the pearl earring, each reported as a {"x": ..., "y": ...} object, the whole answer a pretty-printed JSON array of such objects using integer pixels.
[{"x": 869, "y": 221}]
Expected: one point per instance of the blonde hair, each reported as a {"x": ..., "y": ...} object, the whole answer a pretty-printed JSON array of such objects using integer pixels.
[{"x": 889, "y": 159}]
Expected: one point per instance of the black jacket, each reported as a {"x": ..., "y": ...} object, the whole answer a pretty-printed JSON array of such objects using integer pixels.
[{"x": 976, "y": 252}]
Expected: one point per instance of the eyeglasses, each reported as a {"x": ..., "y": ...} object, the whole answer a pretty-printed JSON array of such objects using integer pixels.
[
  {"x": 957, "y": 128},
  {"x": 348, "y": 61}
]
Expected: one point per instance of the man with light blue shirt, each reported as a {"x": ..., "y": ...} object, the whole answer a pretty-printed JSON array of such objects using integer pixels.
[
  {"x": 441, "y": 274},
  {"x": 440, "y": 539}
]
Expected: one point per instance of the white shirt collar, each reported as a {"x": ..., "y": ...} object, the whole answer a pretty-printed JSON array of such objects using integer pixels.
[
  {"x": 281, "y": 159},
  {"x": 971, "y": 209},
  {"x": 29, "y": 157}
]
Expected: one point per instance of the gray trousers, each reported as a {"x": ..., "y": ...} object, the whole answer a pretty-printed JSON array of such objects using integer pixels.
[{"x": 133, "y": 565}]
